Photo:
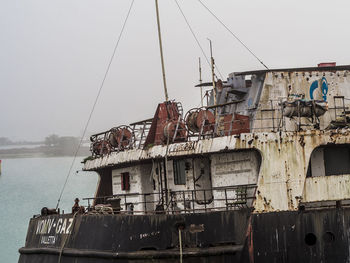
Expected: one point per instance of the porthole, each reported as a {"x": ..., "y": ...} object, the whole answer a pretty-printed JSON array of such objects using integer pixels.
[
  {"x": 310, "y": 239},
  {"x": 328, "y": 237}
]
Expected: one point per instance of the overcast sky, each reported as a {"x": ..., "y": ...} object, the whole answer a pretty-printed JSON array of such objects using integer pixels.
[{"x": 53, "y": 55}]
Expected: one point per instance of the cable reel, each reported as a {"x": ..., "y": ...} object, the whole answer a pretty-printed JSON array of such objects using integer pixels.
[{"x": 200, "y": 120}]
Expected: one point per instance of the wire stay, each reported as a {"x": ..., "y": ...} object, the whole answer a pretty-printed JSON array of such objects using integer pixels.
[
  {"x": 195, "y": 37},
  {"x": 233, "y": 34},
  {"x": 95, "y": 102}
]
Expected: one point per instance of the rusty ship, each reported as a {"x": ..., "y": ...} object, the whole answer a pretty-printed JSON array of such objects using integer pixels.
[{"x": 259, "y": 174}]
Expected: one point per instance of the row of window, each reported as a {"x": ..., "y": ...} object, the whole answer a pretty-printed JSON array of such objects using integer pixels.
[
  {"x": 324, "y": 161},
  {"x": 179, "y": 168}
]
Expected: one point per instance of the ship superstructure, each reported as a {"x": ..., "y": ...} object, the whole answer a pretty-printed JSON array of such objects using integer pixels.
[{"x": 259, "y": 174}]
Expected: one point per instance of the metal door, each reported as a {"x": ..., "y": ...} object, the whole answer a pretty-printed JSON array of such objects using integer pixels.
[{"x": 202, "y": 180}]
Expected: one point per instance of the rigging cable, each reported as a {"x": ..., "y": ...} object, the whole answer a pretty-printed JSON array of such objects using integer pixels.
[
  {"x": 95, "y": 102},
  {"x": 67, "y": 237},
  {"x": 233, "y": 34},
  {"x": 195, "y": 37}
]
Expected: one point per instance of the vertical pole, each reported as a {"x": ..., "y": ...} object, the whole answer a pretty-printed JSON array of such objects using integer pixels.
[
  {"x": 165, "y": 166},
  {"x": 145, "y": 205},
  {"x": 0, "y": 167},
  {"x": 180, "y": 244},
  {"x": 184, "y": 198},
  {"x": 161, "y": 53},
  {"x": 272, "y": 115},
  {"x": 213, "y": 74},
  {"x": 192, "y": 201},
  {"x": 200, "y": 80}
]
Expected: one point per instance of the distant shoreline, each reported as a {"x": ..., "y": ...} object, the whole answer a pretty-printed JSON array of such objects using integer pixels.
[{"x": 42, "y": 152}]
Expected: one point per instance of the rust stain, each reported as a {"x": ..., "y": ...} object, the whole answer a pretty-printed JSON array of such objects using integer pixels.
[
  {"x": 196, "y": 228},
  {"x": 301, "y": 141},
  {"x": 250, "y": 241}
]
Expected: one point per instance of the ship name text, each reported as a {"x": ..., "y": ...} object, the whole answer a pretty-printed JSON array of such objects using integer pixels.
[{"x": 54, "y": 226}]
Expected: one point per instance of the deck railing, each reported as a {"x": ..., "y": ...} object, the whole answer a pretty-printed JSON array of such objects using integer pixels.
[
  {"x": 175, "y": 202},
  {"x": 268, "y": 116}
]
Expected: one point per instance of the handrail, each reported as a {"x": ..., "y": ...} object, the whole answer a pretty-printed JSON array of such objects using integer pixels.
[{"x": 181, "y": 201}]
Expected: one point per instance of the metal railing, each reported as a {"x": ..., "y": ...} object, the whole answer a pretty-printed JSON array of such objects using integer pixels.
[
  {"x": 114, "y": 140},
  {"x": 175, "y": 202},
  {"x": 268, "y": 116}
]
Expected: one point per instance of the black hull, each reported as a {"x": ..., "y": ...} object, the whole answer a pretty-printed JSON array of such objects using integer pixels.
[
  {"x": 228, "y": 236},
  {"x": 310, "y": 236},
  {"x": 52, "y": 255}
]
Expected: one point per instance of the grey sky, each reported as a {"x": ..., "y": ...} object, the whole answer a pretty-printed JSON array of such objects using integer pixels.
[{"x": 53, "y": 55}]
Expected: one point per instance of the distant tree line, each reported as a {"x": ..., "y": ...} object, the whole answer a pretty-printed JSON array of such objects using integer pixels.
[
  {"x": 4, "y": 141},
  {"x": 56, "y": 145},
  {"x": 53, "y": 145},
  {"x": 50, "y": 141}
]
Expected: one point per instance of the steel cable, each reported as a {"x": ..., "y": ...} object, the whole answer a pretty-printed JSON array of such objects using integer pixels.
[
  {"x": 195, "y": 37},
  {"x": 95, "y": 102},
  {"x": 233, "y": 34}
]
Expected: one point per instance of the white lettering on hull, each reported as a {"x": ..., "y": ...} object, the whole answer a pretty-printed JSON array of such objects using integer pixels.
[
  {"x": 48, "y": 240},
  {"x": 52, "y": 226}
]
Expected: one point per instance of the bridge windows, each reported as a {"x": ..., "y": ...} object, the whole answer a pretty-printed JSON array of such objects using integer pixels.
[{"x": 329, "y": 160}]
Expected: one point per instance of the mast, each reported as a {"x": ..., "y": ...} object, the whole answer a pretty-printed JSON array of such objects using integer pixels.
[
  {"x": 213, "y": 73},
  {"x": 166, "y": 99},
  {"x": 161, "y": 53},
  {"x": 200, "y": 80}
]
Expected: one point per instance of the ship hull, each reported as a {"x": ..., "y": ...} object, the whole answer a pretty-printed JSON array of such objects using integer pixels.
[
  {"x": 227, "y": 236},
  {"x": 205, "y": 237},
  {"x": 319, "y": 235}
]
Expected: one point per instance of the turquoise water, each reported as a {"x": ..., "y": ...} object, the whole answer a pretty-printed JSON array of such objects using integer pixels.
[{"x": 27, "y": 185}]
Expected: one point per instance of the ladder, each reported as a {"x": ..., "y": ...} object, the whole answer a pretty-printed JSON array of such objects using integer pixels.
[
  {"x": 339, "y": 105},
  {"x": 179, "y": 108},
  {"x": 141, "y": 130}
]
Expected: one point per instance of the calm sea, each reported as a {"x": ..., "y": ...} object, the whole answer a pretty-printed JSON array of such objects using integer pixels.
[{"x": 27, "y": 185}]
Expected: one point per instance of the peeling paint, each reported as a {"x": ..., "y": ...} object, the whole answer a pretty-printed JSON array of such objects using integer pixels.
[{"x": 283, "y": 168}]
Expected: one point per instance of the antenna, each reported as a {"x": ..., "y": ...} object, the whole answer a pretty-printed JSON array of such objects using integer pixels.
[
  {"x": 200, "y": 79},
  {"x": 161, "y": 53},
  {"x": 213, "y": 73}
]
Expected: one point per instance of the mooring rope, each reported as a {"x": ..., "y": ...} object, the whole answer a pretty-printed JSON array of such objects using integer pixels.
[
  {"x": 233, "y": 34},
  {"x": 95, "y": 102}
]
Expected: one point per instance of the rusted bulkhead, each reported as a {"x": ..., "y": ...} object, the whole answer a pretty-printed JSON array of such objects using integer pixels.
[
  {"x": 284, "y": 165},
  {"x": 167, "y": 125}
]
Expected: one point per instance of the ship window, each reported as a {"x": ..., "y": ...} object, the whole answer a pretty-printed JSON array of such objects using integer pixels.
[
  {"x": 125, "y": 181},
  {"x": 329, "y": 160},
  {"x": 179, "y": 172},
  {"x": 337, "y": 160}
]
